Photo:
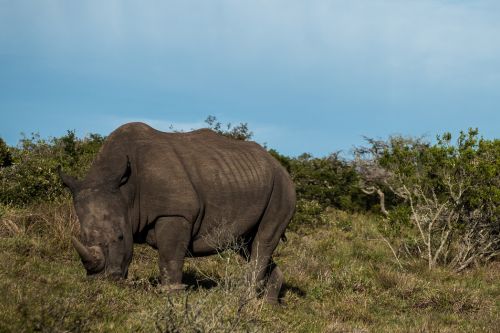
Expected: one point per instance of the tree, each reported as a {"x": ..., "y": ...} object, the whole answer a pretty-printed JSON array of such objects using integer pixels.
[
  {"x": 5, "y": 155},
  {"x": 238, "y": 132},
  {"x": 446, "y": 196}
]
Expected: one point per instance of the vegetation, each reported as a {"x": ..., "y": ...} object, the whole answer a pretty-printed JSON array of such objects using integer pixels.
[
  {"x": 339, "y": 278},
  {"x": 31, "y": 174},
  {"x": 446, "y": 206},
  {"x": 238, "y": 132},
  {"x": 353, "y": 262},
  {"x": 5, "y": 155}
]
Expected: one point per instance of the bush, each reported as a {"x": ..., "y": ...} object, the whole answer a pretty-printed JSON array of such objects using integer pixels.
[
  {"x": 308, "y": 213},
  {"x": 330, "y": 181},
  {"x": 238, "y": 132},
  {"x": 32, "y": 174},
  {"x": 5, "y": 155},
  {"x": 450, "y": 194}
]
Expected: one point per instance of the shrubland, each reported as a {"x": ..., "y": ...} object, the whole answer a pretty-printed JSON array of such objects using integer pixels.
[
  {"x": 445, "y": 197},
  {"x": 402, "y": 238}
]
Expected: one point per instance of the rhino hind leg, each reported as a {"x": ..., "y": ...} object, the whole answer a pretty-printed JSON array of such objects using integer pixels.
[
  {"x": 274, "y": 283},
  {"x": 267, "y": 275}
]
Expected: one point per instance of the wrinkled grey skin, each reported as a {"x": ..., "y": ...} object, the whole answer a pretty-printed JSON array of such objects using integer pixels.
[{"x": 184, "y": 194}]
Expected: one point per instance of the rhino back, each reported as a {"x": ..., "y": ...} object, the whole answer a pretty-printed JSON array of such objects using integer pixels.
[{"x": 233, "y": 180}]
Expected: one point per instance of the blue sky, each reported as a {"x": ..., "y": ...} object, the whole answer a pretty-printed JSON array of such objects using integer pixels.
[{"x": 308, "y": 76}]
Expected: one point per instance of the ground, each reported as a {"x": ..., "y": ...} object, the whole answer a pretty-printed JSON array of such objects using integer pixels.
[{"x": 340, "y": 277}]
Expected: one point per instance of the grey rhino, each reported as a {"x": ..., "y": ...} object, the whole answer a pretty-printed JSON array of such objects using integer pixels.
[{"x": 176, "y": 192}]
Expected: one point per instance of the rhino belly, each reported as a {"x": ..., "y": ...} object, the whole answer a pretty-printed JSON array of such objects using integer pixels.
[{"x": 224, "y": 226}]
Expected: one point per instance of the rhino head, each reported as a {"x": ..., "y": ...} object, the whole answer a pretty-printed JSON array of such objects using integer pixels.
[{"x": 106, "y": 242}]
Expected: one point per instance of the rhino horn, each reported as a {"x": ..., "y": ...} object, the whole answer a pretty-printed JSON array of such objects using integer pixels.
[
  {"x": 82, "y": 250},
  {"x": 92, "y": 257}
]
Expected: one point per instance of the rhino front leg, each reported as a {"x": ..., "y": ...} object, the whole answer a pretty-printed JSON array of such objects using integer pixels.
[{"x": 172, "y": 240}]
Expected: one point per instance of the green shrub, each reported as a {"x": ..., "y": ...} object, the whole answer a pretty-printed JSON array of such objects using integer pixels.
[
  {"x": 32, "y": 174},
  {"x": 330, "y": 181},
  {"x": 5, "y": 154},
  {"x": 238, "y": 132},
  {"x": 308, "y": 213},
  {"x": 449, "y": 195}
]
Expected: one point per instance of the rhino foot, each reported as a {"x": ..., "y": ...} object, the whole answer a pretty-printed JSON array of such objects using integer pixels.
[{"x": 171, "y": 288}]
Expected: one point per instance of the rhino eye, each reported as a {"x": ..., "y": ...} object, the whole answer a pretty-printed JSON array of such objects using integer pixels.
[{"x": 120, "y": 237}]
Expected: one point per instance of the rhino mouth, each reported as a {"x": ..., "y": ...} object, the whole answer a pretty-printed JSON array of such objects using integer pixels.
[
  {"x": 95, "y": 262},
  {"x": 116, "y": 274}
]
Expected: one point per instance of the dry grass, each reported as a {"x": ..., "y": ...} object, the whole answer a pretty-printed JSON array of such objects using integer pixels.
[{"x": 339, "y": 278}]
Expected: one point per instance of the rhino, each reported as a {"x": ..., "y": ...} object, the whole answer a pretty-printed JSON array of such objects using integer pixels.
[{"x": 177, "y": 192}]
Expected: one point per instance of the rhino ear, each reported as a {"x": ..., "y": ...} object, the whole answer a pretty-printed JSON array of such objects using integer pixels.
[
  {"x": 70, "y": 181},
  {"x": 126, "y": 173}
]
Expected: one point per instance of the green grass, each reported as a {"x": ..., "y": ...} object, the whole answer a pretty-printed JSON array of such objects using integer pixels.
[{"x": 339, "y": 278}]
